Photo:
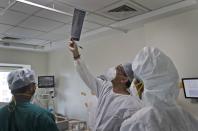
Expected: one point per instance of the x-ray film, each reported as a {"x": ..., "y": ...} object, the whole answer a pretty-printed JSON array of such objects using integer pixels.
[{"x": 77, "y": 24}]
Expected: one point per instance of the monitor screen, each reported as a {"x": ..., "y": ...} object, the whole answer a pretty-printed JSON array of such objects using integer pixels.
[
  {"x": 46, "y": 82},
  {"x": 190, "y": 87}
]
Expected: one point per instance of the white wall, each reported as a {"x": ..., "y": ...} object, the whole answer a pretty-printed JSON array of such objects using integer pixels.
[
  {"x": 37, "y": 60},
  {"x": 175, "y": 35}
]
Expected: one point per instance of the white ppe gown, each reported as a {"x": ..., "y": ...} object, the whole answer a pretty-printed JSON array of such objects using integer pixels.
[
  {"x": 112, "y": 108},
  {"x": 92, "y": 106},
  {"x": 161, "y": 112}
]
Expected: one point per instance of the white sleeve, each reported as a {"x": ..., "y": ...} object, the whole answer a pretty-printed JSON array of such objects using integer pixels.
[
  {"x": 94, "y": 83},
  {"x": 128, "y": 125}
]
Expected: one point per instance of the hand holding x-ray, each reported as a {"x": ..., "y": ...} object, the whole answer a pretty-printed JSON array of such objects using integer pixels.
[{"x": 74, "y": 49}]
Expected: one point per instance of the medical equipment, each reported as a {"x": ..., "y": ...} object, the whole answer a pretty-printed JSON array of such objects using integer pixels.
[
  {"x": 46, "y": 82},
  {"x": 76, "y": 125},
  {"x": 190, "y": 86},
  {"x": 46, "y": 94}
]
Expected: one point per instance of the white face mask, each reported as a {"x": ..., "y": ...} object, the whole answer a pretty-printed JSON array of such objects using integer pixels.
[
  {"x": 110, "y": 74},
  {"x": 132, "y": 90}
]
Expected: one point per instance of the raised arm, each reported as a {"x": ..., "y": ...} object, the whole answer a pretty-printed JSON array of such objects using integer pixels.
[{"x": 91, "y": 81}]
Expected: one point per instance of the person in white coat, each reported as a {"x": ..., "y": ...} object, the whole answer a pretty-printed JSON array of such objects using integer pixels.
[
  {"x": 115, "y": 104},
  {"x": 161, "y": 112},
  {"x": 91, "y": 105}
]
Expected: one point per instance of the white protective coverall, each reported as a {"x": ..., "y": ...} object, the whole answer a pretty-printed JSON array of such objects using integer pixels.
[
  {"x": 161, "y": 113},
  {"x": 112, "y": 108},
  {"x": 92, "y": 103}
]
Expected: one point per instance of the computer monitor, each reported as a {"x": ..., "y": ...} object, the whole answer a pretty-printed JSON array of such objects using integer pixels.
[
  {"x": 46, "y": 82},
  {"x": 190, "y": 87}
]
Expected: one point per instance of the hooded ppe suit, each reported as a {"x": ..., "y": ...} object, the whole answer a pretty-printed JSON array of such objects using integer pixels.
[
  {"x": 161, "y": 113},
  {"x": 91, "y": 108}
]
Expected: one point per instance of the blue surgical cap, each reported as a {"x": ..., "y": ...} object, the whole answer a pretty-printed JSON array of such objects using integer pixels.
[{"x": 20, "y": 78}]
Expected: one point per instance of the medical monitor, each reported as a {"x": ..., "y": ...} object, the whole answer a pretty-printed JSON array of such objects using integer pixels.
[
  {"x": 46, "y": 82},
  {"x": 190, "y": 86}
]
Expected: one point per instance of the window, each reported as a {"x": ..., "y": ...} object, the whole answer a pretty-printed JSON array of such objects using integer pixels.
[{"x": 5, "y": 69}]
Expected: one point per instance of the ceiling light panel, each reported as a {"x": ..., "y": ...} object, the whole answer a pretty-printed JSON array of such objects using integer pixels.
[
  {"x": 156, "y": 4},
  {"x": 12, "y": 18},
  {"x": 34, "y": 41},
  {"x": 63, "y": 7},
  {"x": 24, "y": 40},
  {"x": 21, "y": 32},
  {"x": 40, "y": 24},
  {"x": 25, "y": 8},
  {"x": 17, "y": 45},
  {"x": 42, "y": 2},
  {"x": 43, "y": 7}
]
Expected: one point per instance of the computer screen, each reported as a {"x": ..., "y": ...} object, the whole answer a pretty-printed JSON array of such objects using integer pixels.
[
  {"x": 46, "y": 82},
  {"x": 190, "y": 87}
]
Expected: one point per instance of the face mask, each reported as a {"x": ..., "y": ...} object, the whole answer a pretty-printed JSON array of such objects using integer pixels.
[
  {"x": 140, "y": 87},
  {"x": 111, "y": 74},
  {"x": 132, "y": 90}
]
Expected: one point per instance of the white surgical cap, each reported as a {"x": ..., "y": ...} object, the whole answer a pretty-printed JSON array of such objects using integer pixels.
[
  {"x": 20, "y": 78},
  {"x": 110, "y": 74},
  {"x": 128, "y": 70}
]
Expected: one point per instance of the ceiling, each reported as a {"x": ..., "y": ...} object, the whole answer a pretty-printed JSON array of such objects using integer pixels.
[{"x": 40, "y": 29}]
